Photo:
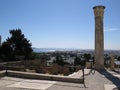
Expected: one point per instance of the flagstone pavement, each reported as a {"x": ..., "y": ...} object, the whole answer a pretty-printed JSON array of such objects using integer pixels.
[{"x": 98, "y": 80}]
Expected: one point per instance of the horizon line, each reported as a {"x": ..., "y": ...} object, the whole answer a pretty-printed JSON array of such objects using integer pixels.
[{"x": 70, "y": 48}]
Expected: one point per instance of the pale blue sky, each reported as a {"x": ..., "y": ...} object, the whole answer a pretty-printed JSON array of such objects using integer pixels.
[{"x": 60, "y": 23}]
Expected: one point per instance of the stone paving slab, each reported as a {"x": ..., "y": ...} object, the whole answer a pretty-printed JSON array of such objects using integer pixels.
[
  {"x": 33, "y": 84},
  {"x": 117, "y": 76},
  {"x": 97, "y": 81},
  {"x": 18, "y": 83},
  {"x": 110, "y": 87},
  {"x": 11, "y": 83},
  {"x": 113, "y": 86}
]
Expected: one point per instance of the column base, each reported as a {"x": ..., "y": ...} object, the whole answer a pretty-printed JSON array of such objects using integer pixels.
[{"x": 99, "y": 67}]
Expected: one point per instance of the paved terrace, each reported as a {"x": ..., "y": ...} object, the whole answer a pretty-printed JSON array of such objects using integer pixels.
[{"x": 101, "y": 80}]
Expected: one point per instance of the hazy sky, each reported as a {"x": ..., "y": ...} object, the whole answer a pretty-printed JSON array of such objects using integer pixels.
[{"x": 60, "y": 23}]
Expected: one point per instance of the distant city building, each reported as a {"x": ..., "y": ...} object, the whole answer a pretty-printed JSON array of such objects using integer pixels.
[
  {"x": 50, "y": 62},
  {"x": 70, "y": 60}
]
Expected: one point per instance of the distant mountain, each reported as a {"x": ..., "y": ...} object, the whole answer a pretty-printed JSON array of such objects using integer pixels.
[
  {"x": 52, "y": 49},
  {"x": 43, "y": 49},
  {"x": 109, "y": 52}
]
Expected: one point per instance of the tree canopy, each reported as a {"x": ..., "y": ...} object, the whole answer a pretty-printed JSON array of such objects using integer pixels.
[
  {"x": 16, "y": 46},
  {"x": 59, "y": 60},
  {"x": 77, "y": 61}
]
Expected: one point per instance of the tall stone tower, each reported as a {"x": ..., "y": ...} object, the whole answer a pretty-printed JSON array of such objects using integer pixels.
[{"x": 99, "y": 37}]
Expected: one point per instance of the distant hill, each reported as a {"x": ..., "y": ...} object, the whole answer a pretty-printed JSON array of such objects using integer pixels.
[
  {"x": 43, "y": 49},
  {"x": 109, "y": 52},
  {"x": 52, "y": 49}
]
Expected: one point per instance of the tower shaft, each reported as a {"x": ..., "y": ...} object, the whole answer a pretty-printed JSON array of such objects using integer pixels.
[{"x": 99, "y": 37}]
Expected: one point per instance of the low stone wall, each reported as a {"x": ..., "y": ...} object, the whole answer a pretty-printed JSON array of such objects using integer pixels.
[
  {"x": 44, "y": 76},
  {"x": 2, "y": 73}
]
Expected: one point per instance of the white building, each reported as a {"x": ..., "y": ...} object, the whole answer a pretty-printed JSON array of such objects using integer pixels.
[
  {"x": 70, "y": 60},
  {"x": 50, "y": 62}
]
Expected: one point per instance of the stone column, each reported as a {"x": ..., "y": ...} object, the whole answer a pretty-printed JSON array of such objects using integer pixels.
[
  {"x": 112, "y": 63},
  {"x": 99, "y": 37}
]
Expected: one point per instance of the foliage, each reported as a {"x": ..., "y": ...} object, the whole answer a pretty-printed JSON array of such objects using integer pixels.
[
  {"x": 59, "y": 61},
  {"x": 77, "y": 61},
  {"x": 80, "y": 61},
  {"x": 118, "y": 58},
  {"x": 16, "y": 46},
  {"x": 44, "y": 56},
  {"x": 87, "y": 56},
  {"x": 6, "y": 51},
  {"x": 35, "y": 55}
]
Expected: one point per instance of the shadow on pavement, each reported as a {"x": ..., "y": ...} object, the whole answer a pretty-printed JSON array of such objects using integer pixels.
[
  {"x": 116, "y": 71},
  {"x": 113, "y": 79}
]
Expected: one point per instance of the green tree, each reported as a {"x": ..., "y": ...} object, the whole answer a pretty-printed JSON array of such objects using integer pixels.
[
  {"x": 6, "y": 52},
  {"x": 77, "y": 61},
  {"x": 18, "y": 45},
  {"x": 118, "y": 58},
  {"x": 87, "y": 56},
  {"x": 59, "y": 60}
]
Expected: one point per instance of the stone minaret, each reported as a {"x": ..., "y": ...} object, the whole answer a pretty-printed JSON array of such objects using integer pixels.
[{"x": 99, "y": 37}]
